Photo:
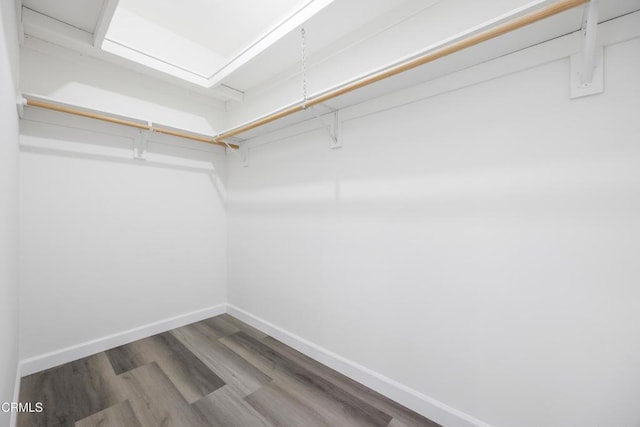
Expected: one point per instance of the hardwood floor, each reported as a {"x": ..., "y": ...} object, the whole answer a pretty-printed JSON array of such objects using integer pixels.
[{"x": 217, "y": 372}]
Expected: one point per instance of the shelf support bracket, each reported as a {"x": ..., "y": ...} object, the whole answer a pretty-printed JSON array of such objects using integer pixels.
[
  {"x": 334, "y": 129},
  {"x": 244, "y": 155},
  {"x": 140, "y": 143},
  {"x": 587, "y": 67}
]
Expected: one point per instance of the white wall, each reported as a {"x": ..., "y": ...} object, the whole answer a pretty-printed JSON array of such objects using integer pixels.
[
  {"x": 8, "y": 204},
  {"x": 109, "y": 244},
  {"x": 479, "y": 246}
]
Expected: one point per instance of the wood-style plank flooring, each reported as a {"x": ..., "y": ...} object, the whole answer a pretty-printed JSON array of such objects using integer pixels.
[{"x": 217, "y": 372}]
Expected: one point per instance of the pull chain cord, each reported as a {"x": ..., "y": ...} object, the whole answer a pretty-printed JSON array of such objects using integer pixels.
[{"x": 304, "y": 67}]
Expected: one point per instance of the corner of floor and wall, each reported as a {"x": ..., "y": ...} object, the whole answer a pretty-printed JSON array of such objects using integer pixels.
[{"x": 470, "y": 251}]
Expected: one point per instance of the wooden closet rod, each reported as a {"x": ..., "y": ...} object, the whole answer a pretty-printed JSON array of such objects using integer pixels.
[
  {"x": 456, "y": 46},
  {"x": 40, "y": 104}
]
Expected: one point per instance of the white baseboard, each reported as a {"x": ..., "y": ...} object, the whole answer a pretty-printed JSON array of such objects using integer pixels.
[
  {"x": 422, "y": 404},
  {"x": 13, "y": 420},
  {"x": 78, "y": 351},
  {"x": 425, "y": 405}
]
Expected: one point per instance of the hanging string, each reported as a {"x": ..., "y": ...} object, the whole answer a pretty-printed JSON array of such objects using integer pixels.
[{"x": 304, "y": 67}]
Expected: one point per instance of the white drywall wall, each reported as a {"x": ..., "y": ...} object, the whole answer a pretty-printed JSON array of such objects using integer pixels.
[
  {"x": 480, "y": 247},
  {"x": 8, "y": 204},
  {"x": 109, "y": 244}
]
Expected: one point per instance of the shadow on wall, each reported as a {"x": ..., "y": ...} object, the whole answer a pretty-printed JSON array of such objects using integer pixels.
[
  {"x": 64, "y": 135},
  {"x": 57, "y": 134},
  {"x": 562, "y": 188}
]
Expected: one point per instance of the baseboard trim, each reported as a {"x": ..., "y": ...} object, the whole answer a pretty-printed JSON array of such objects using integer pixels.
[
  {"x": 13, "y": 419},
  {"x": 422, "y": 404},
  {"x": 49, "y": 360},
  {"x": 425, "y": 405}
]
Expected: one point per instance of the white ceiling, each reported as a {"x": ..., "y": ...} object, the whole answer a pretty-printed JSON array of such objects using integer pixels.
[{"x": 215, "y": 46}]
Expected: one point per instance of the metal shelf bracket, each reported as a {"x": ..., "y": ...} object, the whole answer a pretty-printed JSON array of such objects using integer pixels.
[
  {"x": 140, "y": 144},
  {"x": 334, "y": 128},
  {"x": 587, "y": 67},
  {"x": 244, "y": 155}
]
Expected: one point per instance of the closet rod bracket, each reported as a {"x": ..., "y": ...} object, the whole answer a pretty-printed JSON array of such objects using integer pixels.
[
  {"x": 587, "y": 66},
  {"x": 333, "y": 128},
  {"x": 140, "y": 143},
  {"x": 244, "y": 155},
  {"x": 20, "y": 103}
]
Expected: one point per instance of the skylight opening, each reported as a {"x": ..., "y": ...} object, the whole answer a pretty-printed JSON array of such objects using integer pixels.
[{"x": 202, "y": 41}]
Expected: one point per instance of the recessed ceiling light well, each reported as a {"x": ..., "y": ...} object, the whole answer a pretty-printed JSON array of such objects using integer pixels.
[{"x": 202, "y": 41}]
